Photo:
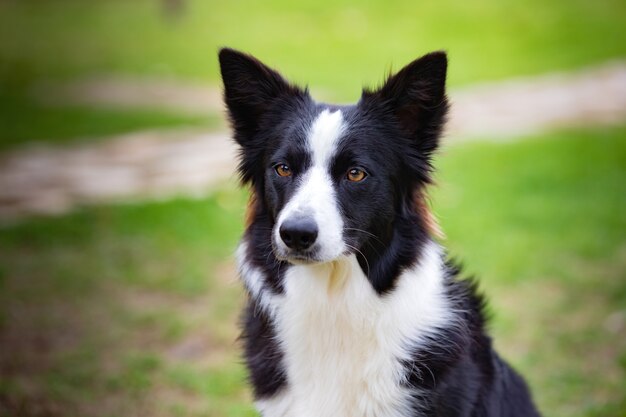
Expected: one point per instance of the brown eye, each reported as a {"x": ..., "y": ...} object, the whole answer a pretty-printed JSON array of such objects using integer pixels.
[
  {"x": 283, "y": 170},
  {"x": 356, "y": 175}
]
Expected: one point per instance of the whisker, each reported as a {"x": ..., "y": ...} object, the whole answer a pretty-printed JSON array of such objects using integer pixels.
[
  {"x": 365, "y": 232},
  {"x": 363, "y": 255}
]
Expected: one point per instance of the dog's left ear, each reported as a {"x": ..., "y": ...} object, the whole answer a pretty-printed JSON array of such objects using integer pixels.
[{"x": 417, "y": 97}]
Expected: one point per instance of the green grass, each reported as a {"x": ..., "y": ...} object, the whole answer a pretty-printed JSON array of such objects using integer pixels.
[
  {"x": 542, "y": 224},
  {"x": 22, "y": 120},
  {"x": 334, "y": 45},
  {"x": 133, "y": 307}
]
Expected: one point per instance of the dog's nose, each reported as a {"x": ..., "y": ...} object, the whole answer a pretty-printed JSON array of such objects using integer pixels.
[{"x": 298, "y": 234}]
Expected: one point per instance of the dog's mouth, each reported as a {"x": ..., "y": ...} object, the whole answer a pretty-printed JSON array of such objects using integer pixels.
[
  {"x": 297, "y": 257},
  {"x": 302, "y": 260}
]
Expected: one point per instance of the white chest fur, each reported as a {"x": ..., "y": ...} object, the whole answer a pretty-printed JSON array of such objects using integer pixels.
[{"x": 344, "y": 343}]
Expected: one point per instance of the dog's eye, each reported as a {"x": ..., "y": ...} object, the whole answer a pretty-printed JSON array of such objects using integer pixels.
[
  {"x": 283, "y": 170},
  {"x": 356, "y": 175}
]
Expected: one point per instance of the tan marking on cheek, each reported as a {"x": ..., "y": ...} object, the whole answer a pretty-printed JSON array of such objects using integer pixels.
[
  {"x": 423, "y": 209},
  {"x": 251, "y": 209}
]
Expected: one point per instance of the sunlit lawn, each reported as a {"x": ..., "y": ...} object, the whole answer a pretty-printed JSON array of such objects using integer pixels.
[
  {"x": 131, "y": 309},
  {"x": 334, "y": 46},
  {"x": 22, "y": 120},
  {"x": 330, "y": 44}
]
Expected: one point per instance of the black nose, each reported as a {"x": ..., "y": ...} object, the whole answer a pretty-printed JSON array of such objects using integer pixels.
[{"x": 298, "y": 234}]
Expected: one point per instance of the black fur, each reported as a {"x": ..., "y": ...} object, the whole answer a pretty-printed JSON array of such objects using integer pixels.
[
  {"x": 393, "y": 132},
  {"x": 262, "y": 353}
]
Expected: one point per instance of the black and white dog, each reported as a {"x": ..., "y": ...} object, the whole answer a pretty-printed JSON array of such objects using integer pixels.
[{"x": 353, "y": 309}]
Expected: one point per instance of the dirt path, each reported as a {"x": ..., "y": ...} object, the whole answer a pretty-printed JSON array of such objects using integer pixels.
[
  {"x": 154, "y": 164},
  {"x": 519, "y": 107},
  {"x": 132, "y": 92}
]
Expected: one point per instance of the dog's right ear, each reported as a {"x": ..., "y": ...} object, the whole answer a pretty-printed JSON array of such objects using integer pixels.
[{"x": 250, "y": 87}]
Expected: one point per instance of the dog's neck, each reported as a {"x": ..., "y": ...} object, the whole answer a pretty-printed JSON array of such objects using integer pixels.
[
  {"x": 330, "y": 322},
  {"x": 384, "y": 258},
  {"x": 333, "y": 275}
]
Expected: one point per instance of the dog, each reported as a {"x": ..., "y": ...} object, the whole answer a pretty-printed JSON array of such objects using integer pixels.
[{"x": 353, "y": 308}]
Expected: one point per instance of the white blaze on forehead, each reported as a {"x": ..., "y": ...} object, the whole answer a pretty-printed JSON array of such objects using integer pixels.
[
  {"x": 324, "y": 136},
  {"x": 316, "y": 196}
]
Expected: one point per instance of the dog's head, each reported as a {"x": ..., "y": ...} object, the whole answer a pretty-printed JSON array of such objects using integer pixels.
[{"x": 334, "y": 180}]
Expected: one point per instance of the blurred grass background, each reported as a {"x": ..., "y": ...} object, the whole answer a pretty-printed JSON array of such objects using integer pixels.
[
  {"x": 336, "y": 47},
  {"x": 130, "y": 309}
]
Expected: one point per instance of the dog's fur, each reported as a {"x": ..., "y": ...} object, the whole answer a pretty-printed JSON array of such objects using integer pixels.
[{"x": 353, "y": 309}]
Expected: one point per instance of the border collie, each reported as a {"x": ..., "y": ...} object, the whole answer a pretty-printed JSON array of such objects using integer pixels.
[{"x": 353, "y": 309}]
